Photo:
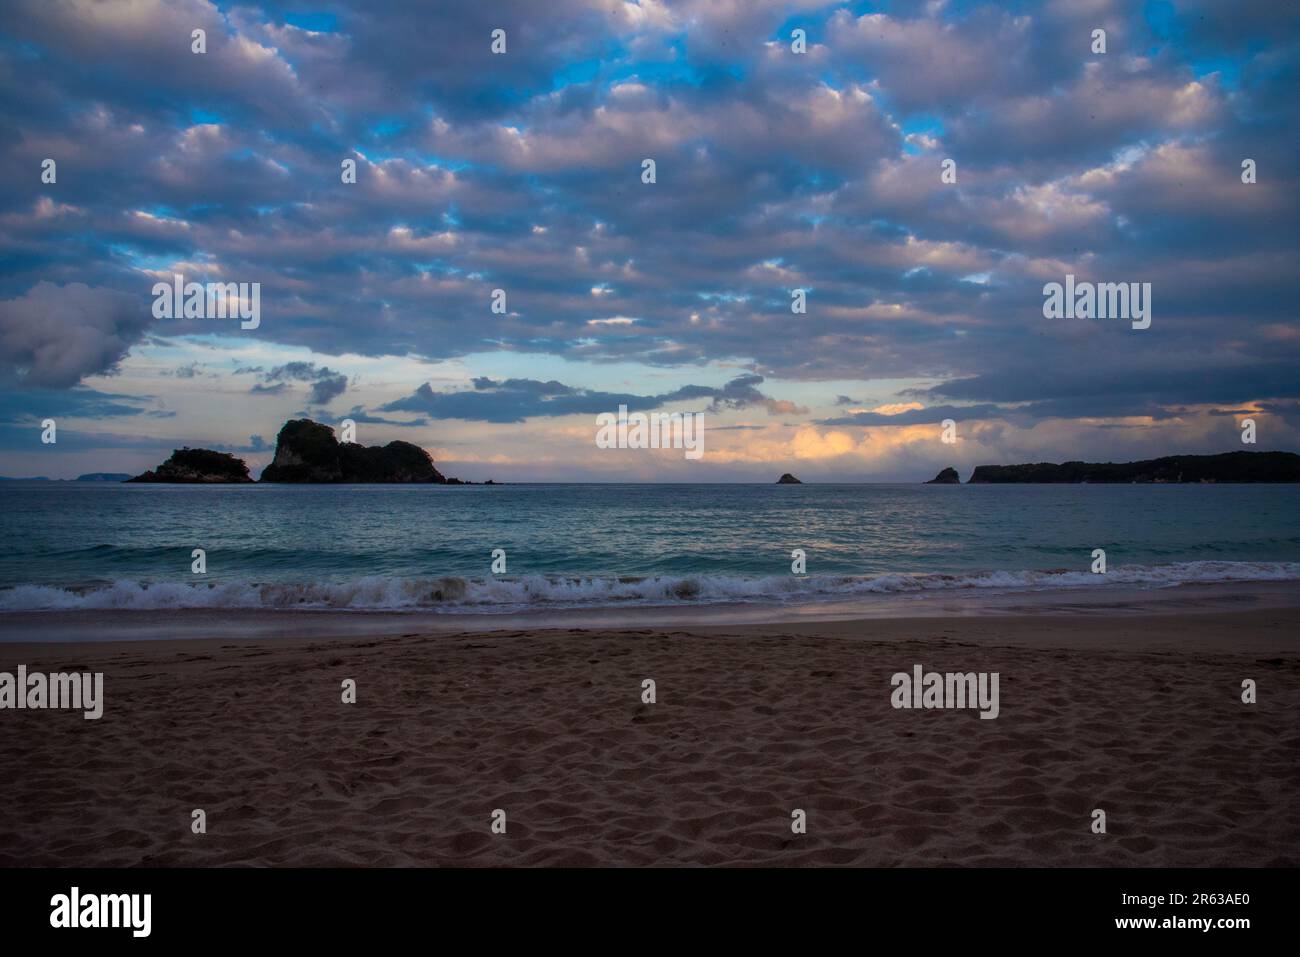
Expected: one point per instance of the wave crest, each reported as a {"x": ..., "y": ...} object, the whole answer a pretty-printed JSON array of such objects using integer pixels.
[{"x": 517, "y": 593}]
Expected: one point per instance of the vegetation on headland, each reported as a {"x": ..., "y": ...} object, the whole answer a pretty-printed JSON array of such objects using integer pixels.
[{"x": 1227, "y": 467}]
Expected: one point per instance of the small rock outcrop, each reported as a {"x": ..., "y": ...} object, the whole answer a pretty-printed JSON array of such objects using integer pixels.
[
  {"x": 306, "y": 451},
  {"x": 788, "y": 479},
  {"x": 948, "y": 476},
  {"x": 198, "y": 467}
]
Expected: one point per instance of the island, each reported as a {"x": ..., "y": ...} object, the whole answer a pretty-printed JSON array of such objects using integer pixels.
[
  {"x": 307, "y": 452},
  {"x": 1173, "y": 469},
  {"x": 788, "y": 479},
  {"x": 198, "y": 467},
  {"x": 948, "y": 476}
]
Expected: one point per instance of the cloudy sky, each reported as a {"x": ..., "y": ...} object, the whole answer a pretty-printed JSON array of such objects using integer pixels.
[{"x": 775, "y": 171}]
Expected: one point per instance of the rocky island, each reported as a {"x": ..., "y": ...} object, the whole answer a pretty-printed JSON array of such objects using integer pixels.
[
  {"x": 948, "y": 476},
  {"x": 198, "y": 467},
  {"x": 307, "y": 452},
  {"x": 788, "y": 479}
]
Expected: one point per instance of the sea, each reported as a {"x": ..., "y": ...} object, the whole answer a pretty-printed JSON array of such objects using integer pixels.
[{"x": 515, "y": 548}]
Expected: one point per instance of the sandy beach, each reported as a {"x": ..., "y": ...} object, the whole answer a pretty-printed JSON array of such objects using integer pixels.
[{"x": 1139, "y": 715}]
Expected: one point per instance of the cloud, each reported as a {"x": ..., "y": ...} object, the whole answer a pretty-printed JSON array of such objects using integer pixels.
[
  {"x": 917, "y": 416},
  {"x": 742, "y": 392},
  {"x": 1129, "y": 381},
  {"x": 326, "y": 384},
  {"x": 31, "y": 405},
  {"x": 775, "y": 171},
  {"x": 359, "y": 415},
  {"x": 514, "y": 400},
  {"x": 55, "y": 336}
]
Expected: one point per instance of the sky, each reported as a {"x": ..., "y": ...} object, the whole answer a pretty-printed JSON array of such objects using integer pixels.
[{"x": 776, "y": 169}]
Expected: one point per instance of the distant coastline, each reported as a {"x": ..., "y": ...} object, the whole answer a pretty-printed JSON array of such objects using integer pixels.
[
  {"x": 1226, "y": 467},
  {"x": 88, "y": 477},
  {"x": 308, "y": 453}
]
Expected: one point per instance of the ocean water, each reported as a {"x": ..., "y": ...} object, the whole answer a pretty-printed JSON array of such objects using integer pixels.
[{"x": 370, "y": 547}]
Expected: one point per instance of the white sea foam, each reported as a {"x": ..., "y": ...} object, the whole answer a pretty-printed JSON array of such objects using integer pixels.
[{"x": 534, "y": 591}]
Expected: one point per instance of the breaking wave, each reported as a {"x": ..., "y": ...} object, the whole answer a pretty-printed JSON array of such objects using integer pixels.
[{"x": 518, "y": 593}]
